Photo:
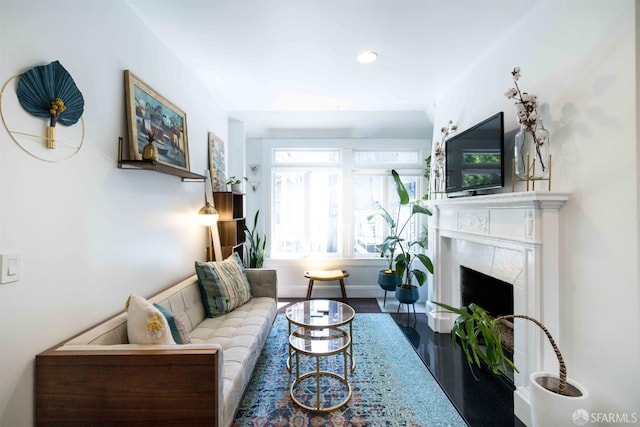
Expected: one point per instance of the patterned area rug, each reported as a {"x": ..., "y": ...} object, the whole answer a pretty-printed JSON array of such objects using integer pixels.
[{"x": 390, "y": 385}]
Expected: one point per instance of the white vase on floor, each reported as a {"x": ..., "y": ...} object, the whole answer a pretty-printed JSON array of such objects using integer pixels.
[{"x": 552, "y": 409}]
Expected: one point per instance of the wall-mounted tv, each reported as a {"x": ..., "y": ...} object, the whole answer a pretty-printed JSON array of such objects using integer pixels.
[{"x": 474, "y": 159}]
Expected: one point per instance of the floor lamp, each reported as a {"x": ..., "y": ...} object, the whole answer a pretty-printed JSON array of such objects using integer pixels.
[{"x": 208, "y": 216}]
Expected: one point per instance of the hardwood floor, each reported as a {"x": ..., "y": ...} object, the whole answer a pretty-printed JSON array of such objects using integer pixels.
[{"x": 485, "y": 402}]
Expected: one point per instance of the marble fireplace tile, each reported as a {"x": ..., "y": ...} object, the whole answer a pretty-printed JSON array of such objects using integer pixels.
[
  {"x": 475, "y": 256},
  {"x": 507, "y": 265}
]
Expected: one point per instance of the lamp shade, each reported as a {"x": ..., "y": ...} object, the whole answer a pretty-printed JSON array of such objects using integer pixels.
[{"x": 208, "y": 215}]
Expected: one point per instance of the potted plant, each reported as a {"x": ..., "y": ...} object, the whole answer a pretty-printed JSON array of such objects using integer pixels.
[
  {"x": 255, "y": 244},
  {"x": 236, "y": 183},
  {"x": 387, "y": 278},
  {"x": 405, "y": 291},
  {"x": 555, "y": 400}
]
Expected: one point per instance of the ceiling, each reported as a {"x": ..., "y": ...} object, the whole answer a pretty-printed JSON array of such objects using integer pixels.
[{"x": 288, "y": 68}]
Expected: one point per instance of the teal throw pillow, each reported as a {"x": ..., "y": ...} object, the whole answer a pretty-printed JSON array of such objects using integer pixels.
[
  {"x": 224, "y": 285},
  {"x": 178, "y": 331}
]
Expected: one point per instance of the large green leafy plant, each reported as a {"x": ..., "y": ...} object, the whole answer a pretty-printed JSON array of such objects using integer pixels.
[
  {"x": 256, "y": 245},
  {"x": 408, "y": 250},
  {"x": 480, "y": 337}
]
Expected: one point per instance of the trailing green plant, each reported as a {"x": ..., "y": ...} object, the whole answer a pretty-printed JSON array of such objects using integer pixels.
[
  {"x": 480, "y": 337},
  {"x": 232, "y": 180},
  {"x": 256, "y": 245},
  {"x": 408, "y": 250}
]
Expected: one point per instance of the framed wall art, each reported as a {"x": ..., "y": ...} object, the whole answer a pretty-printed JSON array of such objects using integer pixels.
[
  {"x": 217, "y": 168},
  {"x": 150, "y": 116}
]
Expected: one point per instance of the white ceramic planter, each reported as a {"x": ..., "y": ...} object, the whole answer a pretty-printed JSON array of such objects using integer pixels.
[{"x": 552, "y": 409}]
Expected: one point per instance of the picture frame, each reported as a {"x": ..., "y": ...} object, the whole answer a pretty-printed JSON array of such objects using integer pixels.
[
  {"x": 148, "y": 112},
  {"x": 217, "y": 168}
]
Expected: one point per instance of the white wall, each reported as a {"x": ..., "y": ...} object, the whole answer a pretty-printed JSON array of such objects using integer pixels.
[
  {"x": 90, "y": 233},
  {"x": 580, "y": 59}
]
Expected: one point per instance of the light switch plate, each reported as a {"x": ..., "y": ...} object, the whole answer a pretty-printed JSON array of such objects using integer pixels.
[{"x": 11, "y": 264}]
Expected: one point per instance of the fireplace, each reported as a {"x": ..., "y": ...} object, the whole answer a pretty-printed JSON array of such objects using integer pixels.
[
  {"x": 490, "y": 293},
  {"x": 495, "y": 296},
  {"x": 511, "y": 238}
]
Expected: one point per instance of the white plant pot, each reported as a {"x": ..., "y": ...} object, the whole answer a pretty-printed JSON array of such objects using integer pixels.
[
  {"x": 553, "y": 409},
  {"x": 236, "y": 188}
]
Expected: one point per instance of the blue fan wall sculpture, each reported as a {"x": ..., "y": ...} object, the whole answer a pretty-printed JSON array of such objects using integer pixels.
[{"x": 49, "y": 91}]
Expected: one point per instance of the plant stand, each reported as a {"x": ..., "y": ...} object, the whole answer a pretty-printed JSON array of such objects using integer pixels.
[
  {"x": 414, "y": 309},
  {"x": 407, "y": 296},
  {"x": 388, "y": 282}
]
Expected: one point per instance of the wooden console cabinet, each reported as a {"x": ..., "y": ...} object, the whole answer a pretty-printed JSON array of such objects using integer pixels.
[{"x": 230, "y": 207}]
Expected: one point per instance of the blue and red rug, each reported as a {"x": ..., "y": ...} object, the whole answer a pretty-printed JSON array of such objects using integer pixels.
[{"x": 391, "y": 386}]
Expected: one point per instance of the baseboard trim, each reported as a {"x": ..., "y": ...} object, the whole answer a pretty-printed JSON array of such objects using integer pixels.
[{"x": 330, "y": 290}]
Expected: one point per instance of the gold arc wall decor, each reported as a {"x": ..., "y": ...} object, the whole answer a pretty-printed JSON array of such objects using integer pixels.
[{"x": 42, "y": 91}]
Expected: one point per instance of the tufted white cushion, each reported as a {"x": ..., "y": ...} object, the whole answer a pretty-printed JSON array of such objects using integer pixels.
[
  {"x": 145, "y": 323},
  {"x": 241, "y": 334}
]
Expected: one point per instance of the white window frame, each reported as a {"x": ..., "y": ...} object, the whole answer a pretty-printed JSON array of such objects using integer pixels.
[{"x": 348, "y": 170}]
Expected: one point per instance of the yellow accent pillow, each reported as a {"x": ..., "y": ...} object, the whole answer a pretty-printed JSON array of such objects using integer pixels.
[{"x": 145, "y": 323}]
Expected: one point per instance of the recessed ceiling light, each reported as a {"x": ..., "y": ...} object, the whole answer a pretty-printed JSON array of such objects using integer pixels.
[{"x": 367, "y": 56}]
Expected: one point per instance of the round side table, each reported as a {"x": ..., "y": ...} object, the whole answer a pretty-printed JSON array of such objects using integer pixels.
[
  {"x": 319, "y": 343},
  {"x": 320, "y": 314}
]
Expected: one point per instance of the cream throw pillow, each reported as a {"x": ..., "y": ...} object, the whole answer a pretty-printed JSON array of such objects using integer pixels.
[{"x": 145, "y": 323}]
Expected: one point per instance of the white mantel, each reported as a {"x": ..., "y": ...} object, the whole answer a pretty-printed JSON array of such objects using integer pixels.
[{"x": 514, "y": 237}]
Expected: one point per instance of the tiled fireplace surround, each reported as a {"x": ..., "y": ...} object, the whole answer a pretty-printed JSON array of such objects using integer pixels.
[{"x": 514, "y": 237}]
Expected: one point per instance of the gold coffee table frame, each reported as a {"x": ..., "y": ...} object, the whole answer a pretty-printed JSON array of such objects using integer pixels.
[
  {"x": 321, "y": 314},
  {"x": 319, "y": 343}
]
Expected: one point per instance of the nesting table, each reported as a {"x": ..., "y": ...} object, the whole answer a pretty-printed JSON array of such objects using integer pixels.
[{"x": 318, "y": 334}]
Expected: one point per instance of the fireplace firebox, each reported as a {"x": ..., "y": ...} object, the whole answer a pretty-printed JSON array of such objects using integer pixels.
[
  {"x": 495, "y": 296},
  {"x": 490, "y": 293}
]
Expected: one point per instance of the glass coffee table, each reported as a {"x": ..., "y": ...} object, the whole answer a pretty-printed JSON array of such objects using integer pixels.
[
  {"x": 320, "y": 343},
  {"x": 321, "y": 314}
]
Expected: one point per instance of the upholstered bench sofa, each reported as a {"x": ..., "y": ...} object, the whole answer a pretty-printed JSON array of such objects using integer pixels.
[{"x": 98, "y": 378}]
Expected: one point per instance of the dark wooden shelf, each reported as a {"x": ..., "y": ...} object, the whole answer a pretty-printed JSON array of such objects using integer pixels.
[
  {"x": 231, "y": 222},
  {"x": 162, "y": 168}
]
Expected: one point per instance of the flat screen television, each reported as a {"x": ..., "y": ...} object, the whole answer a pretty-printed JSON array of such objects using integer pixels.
[{"x": 474, "y": 158}]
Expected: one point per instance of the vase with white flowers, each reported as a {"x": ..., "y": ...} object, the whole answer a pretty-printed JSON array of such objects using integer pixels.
[
  {"x": 437, "y": 165},
  {"x": 531, "y": 147}
]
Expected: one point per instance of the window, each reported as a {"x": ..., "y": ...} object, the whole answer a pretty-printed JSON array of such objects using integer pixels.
[
  {"x": 374, "y": 192},
  {"x": 321, "y": 198},
  {"x": 306, "y": 213}
]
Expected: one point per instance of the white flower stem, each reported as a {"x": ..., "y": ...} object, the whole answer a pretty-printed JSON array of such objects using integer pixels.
[{"x": 532, "y": 130}]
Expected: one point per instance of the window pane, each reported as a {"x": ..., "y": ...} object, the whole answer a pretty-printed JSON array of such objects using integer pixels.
[
  {"x": 305, "y": 156},
  {"x": 386, "y": 157},
  {"x": 370, "y": 193},
  {"x": 306, "y": 214},
  {"x": 323, "y": 213},
  {"x": 367, "y": 201},
  {"x": 288, "y": 213}
]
